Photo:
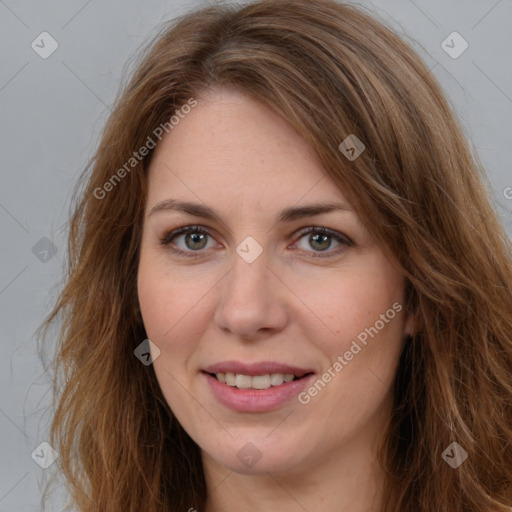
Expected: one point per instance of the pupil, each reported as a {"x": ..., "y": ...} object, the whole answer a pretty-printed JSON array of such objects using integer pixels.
[
  {"x": 314, "y": 239},
  {"x": 196, "y": 238}
]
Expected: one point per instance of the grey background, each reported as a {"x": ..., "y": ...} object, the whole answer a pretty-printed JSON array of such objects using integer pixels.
[{"x": 52, "y": 114}]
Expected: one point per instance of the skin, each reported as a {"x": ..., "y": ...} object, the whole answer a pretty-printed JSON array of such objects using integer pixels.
[{"x": 247, "y": 163}]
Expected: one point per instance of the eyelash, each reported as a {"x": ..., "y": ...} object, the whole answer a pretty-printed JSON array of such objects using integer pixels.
[{"x": 169, "y": 236}]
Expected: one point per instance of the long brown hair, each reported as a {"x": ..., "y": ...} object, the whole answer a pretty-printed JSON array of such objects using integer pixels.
[{"x": 331, "y": 70}]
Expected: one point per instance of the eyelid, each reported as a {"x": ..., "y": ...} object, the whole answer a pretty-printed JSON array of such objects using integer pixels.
[
  {"x": 314, "y": 228},
  {"x": 343, "y": 239},
  {"x": 183, "y": 230}
]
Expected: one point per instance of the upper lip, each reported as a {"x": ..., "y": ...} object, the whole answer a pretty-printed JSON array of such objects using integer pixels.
[{"x": 259, "y": 368}]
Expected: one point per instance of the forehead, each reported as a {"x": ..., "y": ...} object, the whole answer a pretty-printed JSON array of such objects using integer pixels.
[{"x": 231, "y": 148}]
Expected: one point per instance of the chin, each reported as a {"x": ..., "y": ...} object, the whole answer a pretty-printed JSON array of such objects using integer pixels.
[{"x": 252, "y": 455}]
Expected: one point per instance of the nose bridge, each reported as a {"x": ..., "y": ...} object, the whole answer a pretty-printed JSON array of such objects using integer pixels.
[
  {"x": 248, "y": 282},
  {"x": 248, "y": 300}
]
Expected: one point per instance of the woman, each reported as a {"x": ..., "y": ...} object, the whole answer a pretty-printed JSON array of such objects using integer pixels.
[{"x": 287, "y": 286}]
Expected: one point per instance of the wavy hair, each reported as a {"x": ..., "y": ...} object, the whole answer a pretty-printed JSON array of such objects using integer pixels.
[{"x": 331, "y": 70}]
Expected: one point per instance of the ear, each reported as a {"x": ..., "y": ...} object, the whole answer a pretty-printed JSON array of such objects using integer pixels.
[
  {"x": 411, "y": 311},
  {"x": 411, "y": 325},
  {"x": 136, "y": 305}
]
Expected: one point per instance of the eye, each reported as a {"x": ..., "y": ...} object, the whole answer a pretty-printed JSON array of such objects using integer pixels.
[
  {"x": 320, "y": 239},
  {"x": 195, "y": 239}
]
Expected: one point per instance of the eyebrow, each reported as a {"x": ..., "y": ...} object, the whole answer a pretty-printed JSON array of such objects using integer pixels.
[{"x": 287, "y": 215}]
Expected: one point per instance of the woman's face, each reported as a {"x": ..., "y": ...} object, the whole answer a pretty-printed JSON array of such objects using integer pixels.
[{"x": 260, "y": 294}]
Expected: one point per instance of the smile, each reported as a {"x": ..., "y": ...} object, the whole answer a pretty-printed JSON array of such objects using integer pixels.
[
  {"x": 266, "y": 381},
  {"x": 255, "y": 393}
]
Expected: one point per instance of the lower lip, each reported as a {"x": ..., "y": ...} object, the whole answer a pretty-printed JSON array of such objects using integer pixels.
[{"x": 255, "y": 400}]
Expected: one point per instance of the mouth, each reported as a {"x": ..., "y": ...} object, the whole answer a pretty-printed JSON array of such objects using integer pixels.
[
  {"x": 257, "y": 382},
  {"x": 255, "y": 386}
]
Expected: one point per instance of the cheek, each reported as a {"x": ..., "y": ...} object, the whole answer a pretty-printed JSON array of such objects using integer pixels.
[
  {"x": 170, "y": 309},
  {"x": 366, "y": 318},
  {"x": 168, "y": 303},
  {"x": 345, "y": 303},
  {"x": 168, "y": 294}
]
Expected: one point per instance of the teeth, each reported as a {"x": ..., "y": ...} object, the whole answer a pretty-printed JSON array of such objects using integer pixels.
[
  {"x": 261, "y": 381},
  {"x": 243, "y": 381},
  {"x": 254, "y": 382}
]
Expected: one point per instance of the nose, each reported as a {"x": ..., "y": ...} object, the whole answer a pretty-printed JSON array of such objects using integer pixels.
[{"x": 252, "y": 299}]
